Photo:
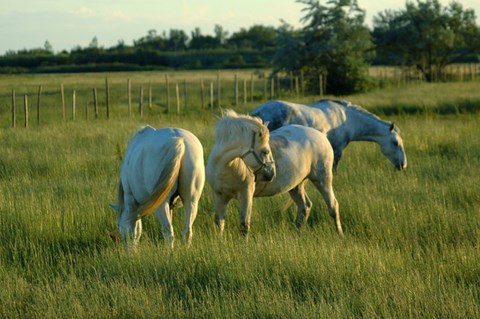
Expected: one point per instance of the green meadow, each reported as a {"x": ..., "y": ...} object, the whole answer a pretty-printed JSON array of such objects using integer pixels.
[{"x": 412, "y": 238}]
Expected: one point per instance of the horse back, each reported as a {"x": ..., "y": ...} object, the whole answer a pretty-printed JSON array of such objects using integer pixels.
[
  {"x": 299, "y": 143},
  {"x": 324, "y": 115},
  {"x": 280, "y": 113}
]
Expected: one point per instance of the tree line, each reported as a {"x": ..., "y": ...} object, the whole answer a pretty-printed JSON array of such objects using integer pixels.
[{"x": 333, "y": 41}]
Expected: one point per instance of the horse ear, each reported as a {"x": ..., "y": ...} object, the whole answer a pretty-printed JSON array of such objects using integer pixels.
[
  {"x": 266, "y": 123},
  {"x": 392, "y": 126}
]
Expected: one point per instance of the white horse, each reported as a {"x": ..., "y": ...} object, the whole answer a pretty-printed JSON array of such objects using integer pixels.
[
  {"x": 159, "y": 166},
  {"x": 241, "y": 155},
  {"x": 300, "y": 154},
  {"x": 342, "y": 122}
]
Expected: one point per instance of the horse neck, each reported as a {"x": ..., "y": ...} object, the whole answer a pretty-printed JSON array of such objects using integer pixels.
[
  {"x": 364, "y": 126},
  {"x": 228, "y": 157}
]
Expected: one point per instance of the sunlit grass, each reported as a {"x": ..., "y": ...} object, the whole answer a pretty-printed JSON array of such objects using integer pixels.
[{"x": 410, "y": 248}]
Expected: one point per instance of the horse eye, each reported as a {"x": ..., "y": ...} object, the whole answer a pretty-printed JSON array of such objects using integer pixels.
[{"x": 266, "y": 152}]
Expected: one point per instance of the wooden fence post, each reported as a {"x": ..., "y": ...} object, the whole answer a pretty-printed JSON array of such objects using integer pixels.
[
  {"x": 177, "y": 94},
  {"x": 185, "y": 96},
  {"x": 252, "y": 87},
  {"x": 140, "y": 102},
  {"x": 73, "y": 105},
  {"x": 296, "y": 87},
  {"x": 95, "y": 103},
  {"x": 38, "y": 104},
  {"x": 62, "y": 92},
  {"x": 107, "y": 97},
  {"x": 302, "y": 83},
  {"x": 320, "y": 85},
  {"x": 277, "y": 78},
  {"x": 150, "y": 95},
  {"x": 264, "y": 86},
  {"x": 211, "y": 95},
  {"x": 129, "y": 92},
  {"x": 272, "y": 88},
  {"x": 14, "y": 111},
  {"x": 235, "y": 89},
  {"x": 168, "y": 92},
  {"x": 202, "y": 94},
  {"x": 244, "y": 92},
  {"x": 324, "y": 81},
  {"x": 291, "y": 82},
  {"x": 219, "y": 89},
  {"x": 25, "y": 108}
]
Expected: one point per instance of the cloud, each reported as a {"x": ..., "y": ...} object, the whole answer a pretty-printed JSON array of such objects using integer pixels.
[
  {"x": 118, "y": 15},
  {"x": 110, "y": 16},
  {"x": 84, "y": 11}
]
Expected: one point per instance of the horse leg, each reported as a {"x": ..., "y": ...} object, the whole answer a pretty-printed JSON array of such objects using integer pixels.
[
  {"x": 130, "y": 225},
  {"x": 164, "y": 216},
  {"x": 246, "y": 202},
  {"x": 189, "y": 214},
  {"x": 326, "y": 189},
  {"x": 191, "y": 183},
  {"x": 304, "y": 204},
  {"x": 220, "y": 203}
]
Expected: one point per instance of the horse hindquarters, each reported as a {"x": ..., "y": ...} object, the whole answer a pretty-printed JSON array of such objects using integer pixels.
[{"x": 129, "y": 222}]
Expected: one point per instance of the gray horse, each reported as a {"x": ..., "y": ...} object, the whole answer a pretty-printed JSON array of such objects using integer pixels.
[{"x": 341, "y": 121}]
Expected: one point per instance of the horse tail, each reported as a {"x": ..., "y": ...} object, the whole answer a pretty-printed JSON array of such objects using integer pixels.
[{"x": 167, "y": 178}]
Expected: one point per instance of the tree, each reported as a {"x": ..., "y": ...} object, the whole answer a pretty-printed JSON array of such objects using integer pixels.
[
  {"x": 177, "y": 40},
  {"x": 427, "y": 36},
  {"x": 202, "y": 42},
  {"x": 94, "y": 43},
  {"x": 335, "y": 41},
  {"x": 256, "y": 37},
  {"x": 220, "y": 34},
  {"x": 151, "y": 41},
  {"x": 48, "y": 47},
  {"x": 290, "y": 49}
]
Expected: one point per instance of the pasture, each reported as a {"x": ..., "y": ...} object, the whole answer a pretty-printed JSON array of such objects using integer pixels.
[{"x": 411, "y": 246}]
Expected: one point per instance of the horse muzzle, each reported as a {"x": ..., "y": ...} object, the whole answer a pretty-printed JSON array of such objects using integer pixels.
[
  {"x": 401, "y": 166},
  {"x": 266, "y": 174}
]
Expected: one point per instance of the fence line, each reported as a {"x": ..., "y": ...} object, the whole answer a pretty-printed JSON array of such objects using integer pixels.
[{"x": 221, "y": 92}]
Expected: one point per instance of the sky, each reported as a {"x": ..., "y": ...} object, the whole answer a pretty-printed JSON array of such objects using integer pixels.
[{"x": 65, "y": 24}]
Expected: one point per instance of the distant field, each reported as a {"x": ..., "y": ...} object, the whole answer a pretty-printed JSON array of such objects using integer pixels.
[
  {"x": 411, "y": 246},
  {"x": 150, "y": 90}
]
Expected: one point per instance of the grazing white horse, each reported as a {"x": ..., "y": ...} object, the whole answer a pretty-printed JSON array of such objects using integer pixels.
[
  {"x": 159, "y": 166},
  {"x": 300, "y": 154},
  {"x": 342, "y": 122}
]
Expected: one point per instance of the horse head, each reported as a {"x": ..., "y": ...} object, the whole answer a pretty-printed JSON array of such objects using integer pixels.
[
  {"x": 258, "y": 158},
  {"x": 392, "y": 147},
  {"x": 251, "y": 136}
]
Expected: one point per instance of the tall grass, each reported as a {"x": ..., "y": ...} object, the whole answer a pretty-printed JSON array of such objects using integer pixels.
[{"x": 411, "y": 248}]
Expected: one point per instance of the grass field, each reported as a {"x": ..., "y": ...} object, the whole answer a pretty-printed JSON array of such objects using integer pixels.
[{"x": 411, "y": 246}]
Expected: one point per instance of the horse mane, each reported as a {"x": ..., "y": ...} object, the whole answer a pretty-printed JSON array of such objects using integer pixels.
[
  {"x": 348, "y": 106},
  {"x": 233, "y": 127}
]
